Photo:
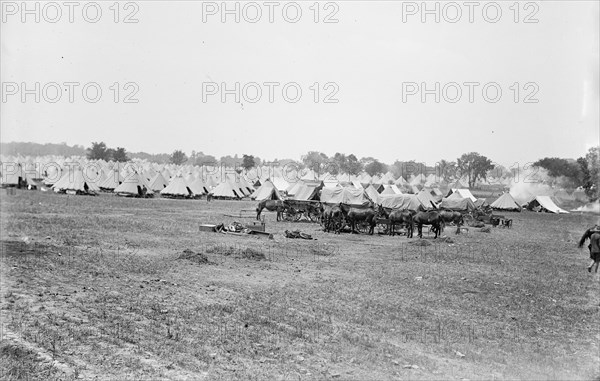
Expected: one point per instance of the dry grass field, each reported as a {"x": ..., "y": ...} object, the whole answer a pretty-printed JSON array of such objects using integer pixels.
[{"x": 100, "y": 288}]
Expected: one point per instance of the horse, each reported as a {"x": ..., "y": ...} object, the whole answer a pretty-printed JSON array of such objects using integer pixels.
[
  {"x": 397, "y": 216},
  {"x": 430, "y": 217},
  {"x": 450, "y": 216},
  {"x": 271, "y": 206},
  {"x": 354, "y": 214},
  {"x": 331, "y": 216}
]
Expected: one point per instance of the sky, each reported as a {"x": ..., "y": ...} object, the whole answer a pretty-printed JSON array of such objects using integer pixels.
[{"x": 367, "y": 81}]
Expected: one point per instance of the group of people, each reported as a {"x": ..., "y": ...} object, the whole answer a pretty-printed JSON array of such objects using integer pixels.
[{"x": 593, "y": 234}]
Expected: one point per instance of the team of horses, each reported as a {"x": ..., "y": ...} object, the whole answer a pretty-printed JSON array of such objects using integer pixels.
[{"x": 335, "y": 217}]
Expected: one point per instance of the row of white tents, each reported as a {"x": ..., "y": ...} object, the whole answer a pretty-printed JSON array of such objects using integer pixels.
[
  {"x": 457, "y": 199},
  {"x": 140, "y": 178},
  {"x": 281, "y": 176}
]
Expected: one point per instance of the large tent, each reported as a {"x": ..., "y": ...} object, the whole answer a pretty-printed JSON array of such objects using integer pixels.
[
  {"x": 402, "y": 201},
  {"x": 197, "y": 186},
  {"x": 226, "y": 190},
  {"x": 294, "y": 187},
  {"x": 177, "y": 187},
  {"x": 308, "y": 191},
  {"x": 112, "y": 181},
  {"x": 73, "y": 181},
  {"x": 280, "y": 183},
  {"x": 457, "y": 203},
  {"x": 133, "y": 186},
  {"x": 426, "y": 198},
  {"x": 372, "y": 193},
  {"x": 401, "y": 182},
  {"x": 267, "y": 191},
  {"x": 506, "y": 202},
  {"x": 464, "y": 193},
  {"x": 387, "y": 189},
  {"x": 158, "y": 182},
  {"x": 357, "y": 184},
  {"x": 419, "y": 179},
  {"x": 543, "y": 203},
  {"x": 348, "y": 195}
]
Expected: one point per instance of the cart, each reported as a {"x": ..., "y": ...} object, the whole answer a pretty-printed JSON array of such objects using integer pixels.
[{"x": 301, "y": 210}]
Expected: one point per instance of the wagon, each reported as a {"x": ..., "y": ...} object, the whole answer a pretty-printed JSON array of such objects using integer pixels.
[
  {"x": 301, "y": 210},
  {"x": 491, "y": 219},
  {"x": 384, "y": 226}
]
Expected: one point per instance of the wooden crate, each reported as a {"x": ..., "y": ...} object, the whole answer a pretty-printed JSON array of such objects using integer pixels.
[
  {"x": 207, "y": 228},
  {"x": 256, "y": 226}
]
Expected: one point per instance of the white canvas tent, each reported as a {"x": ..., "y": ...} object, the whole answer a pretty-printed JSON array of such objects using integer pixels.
[
  {"x": 267, "y": 191},
  {"x": 402, "y": 201},
  {"x": 158, "y": 183},
  {"x": 134, "y": 185},
  {"x": 506, "y": 202},
  {"x": 464, "y": 193},
  {"x": 113, "y": 180},
  {"x": 348, "y": 195},
  {"x": 226, "y": 190},
  {"x": 73, "y": 181},
  {"x": 426, "y": 198},
  {"x": 198, "y": 187},
  {"x": 544, "y": 203},
  {"x": 177, "y": 187},
  {"x": 372, "y": 193}
]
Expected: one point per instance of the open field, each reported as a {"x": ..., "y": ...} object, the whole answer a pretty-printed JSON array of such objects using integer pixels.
[{"x": 93, "y": 288}]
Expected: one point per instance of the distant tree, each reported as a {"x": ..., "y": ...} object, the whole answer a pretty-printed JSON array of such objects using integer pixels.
[
  {"x": 229, "y": 161},
  {"x": 161, "y": 158},
  {"x": 558, "y": 167},
  {"x": 366, "y": 160},
  {"x": 338, "y": 164},
  {"x": 178, "y": 157},
  {"x": 353, "y": 166},
  {"x": 375, "y": 168},
  {"x": 407, "y": 168},
  {"x": 202, "y": 159},
  {"x": 315, "y": 160},
  {"x": 590, "y": 173},
  {"x": 110, "y": 154},
  {"x": 98, "y": 151},
  {"x": 120, "y": 155},
  {"x": 446, "y": 170},
  {"x": 475, "y": 166},
  {"x": 36, "y": 149},
  {"x": 248, "y": 162}
]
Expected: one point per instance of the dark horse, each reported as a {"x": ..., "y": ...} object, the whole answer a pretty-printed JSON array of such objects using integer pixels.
[
  {"x": 397, "y": 216},
  {"x": 354, "y": 214},
  {"x": 331, "y": 216},
  {"x": 430, "y": 217},
  {"x": 271, "y": 206},
  {"x": 450, "y": 216}
]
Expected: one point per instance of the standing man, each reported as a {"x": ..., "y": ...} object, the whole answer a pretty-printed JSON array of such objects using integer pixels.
[{"x": 593, "y": 234}]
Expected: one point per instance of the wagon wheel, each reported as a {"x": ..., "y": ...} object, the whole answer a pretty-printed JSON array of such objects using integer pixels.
[
  {"x": 313, "y": 216},
  {"x": 362, "y": 227},
  {"x": 289, "y": 215},
  {"x": 298, "y": 216}
]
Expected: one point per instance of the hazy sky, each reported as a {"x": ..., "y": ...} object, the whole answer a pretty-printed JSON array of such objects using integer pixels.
[{"x": 371, "y": 57}]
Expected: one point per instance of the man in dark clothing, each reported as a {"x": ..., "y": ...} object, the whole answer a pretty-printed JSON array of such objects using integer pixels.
[{"x": 594, "y": 235}]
